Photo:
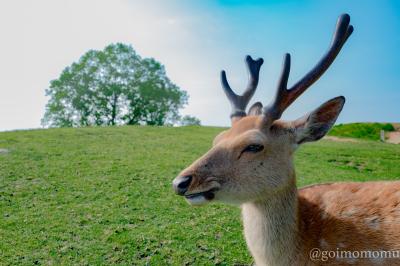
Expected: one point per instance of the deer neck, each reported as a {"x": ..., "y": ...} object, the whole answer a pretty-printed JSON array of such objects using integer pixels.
[{"x": 271, "y": 227}]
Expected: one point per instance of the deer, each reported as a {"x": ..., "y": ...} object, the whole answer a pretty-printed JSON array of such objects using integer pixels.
[{"x": 251, "y": 165}]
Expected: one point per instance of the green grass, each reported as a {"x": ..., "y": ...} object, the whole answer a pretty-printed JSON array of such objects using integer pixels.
[
  {"x": 369, "y": 131},
  {"x": 96, "y": 196}
]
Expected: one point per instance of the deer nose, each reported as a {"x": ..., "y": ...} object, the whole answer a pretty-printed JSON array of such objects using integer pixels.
[{"x": 181, "y": 184}]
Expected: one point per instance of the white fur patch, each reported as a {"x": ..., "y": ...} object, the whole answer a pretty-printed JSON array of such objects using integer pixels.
[
  {"x": 198, "y": 200},
  {"x": 373, "y": 222},
  {"x": 350, "y": 212},
  {"x": 323, "y": 243}
]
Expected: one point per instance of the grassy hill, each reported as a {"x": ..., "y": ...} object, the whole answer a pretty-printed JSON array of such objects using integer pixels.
[
  {"x": 369, "y": 131},
  {"x": 103, "y": 195}
]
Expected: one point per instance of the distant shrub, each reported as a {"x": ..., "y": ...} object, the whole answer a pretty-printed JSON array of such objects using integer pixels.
[
  {"x": 361, "y": 130},
  {"x": 188, "y": 120},
  {"x": 388, "y": 127}
]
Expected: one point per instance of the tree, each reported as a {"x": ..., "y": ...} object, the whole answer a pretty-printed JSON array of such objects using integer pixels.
[
  {"x": 188, "y": 120},
  {"x": 112, "y": 87}
]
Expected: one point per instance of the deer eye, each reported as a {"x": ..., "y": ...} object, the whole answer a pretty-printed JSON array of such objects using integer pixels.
[{"x": 253, "y": 148}]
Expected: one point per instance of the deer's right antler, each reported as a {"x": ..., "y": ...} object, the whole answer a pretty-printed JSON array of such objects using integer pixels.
[{"x": 285, "y": 97}]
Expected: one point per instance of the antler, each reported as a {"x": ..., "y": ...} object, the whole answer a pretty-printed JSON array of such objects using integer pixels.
[
  {"x": 239, "y": 102},
  {"x": 284, "y": 97}
]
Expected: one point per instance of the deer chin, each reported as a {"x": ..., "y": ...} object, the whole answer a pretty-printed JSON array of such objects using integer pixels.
[{"x": 201, "y": 198}]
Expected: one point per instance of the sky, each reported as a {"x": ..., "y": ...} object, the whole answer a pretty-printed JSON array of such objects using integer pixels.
[{"x": 195, "y": 40}]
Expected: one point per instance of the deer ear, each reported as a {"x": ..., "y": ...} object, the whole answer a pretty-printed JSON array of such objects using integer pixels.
[
  {"x": 255, "y": 109},
  {"x": 315, "y": 125}
]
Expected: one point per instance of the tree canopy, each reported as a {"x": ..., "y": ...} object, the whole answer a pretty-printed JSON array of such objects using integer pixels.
[{"x": 112, "y": 87}]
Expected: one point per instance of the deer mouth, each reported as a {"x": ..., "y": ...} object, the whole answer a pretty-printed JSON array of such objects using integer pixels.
[{"x": 201, "y": 197}]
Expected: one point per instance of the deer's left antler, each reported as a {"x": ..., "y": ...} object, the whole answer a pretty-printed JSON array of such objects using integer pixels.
[{"x": 285, "y": 97}]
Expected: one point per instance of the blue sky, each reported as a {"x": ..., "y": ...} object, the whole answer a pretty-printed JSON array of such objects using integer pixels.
[{"x": 195, "y": 40}]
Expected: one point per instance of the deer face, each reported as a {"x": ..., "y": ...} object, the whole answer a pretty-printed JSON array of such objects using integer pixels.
[
  {"x": 246, "y": 162},
  {"x": 253, "y": 159}
]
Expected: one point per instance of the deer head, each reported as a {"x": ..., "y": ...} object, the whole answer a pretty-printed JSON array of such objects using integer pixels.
[{"x": 253, "y": 159}]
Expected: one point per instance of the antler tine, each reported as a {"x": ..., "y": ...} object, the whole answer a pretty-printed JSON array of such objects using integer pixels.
[
  {"x": 275, "y": 109},
  {"x": 240, "y": 102},
  {"x": 284, "y": 97}
]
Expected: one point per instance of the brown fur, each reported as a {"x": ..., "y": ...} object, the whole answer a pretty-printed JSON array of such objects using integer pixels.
[{"x": 351, "y": 216}]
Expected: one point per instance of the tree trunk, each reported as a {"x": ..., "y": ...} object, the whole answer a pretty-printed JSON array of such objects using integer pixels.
[{"x": 114, "y": 109}]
